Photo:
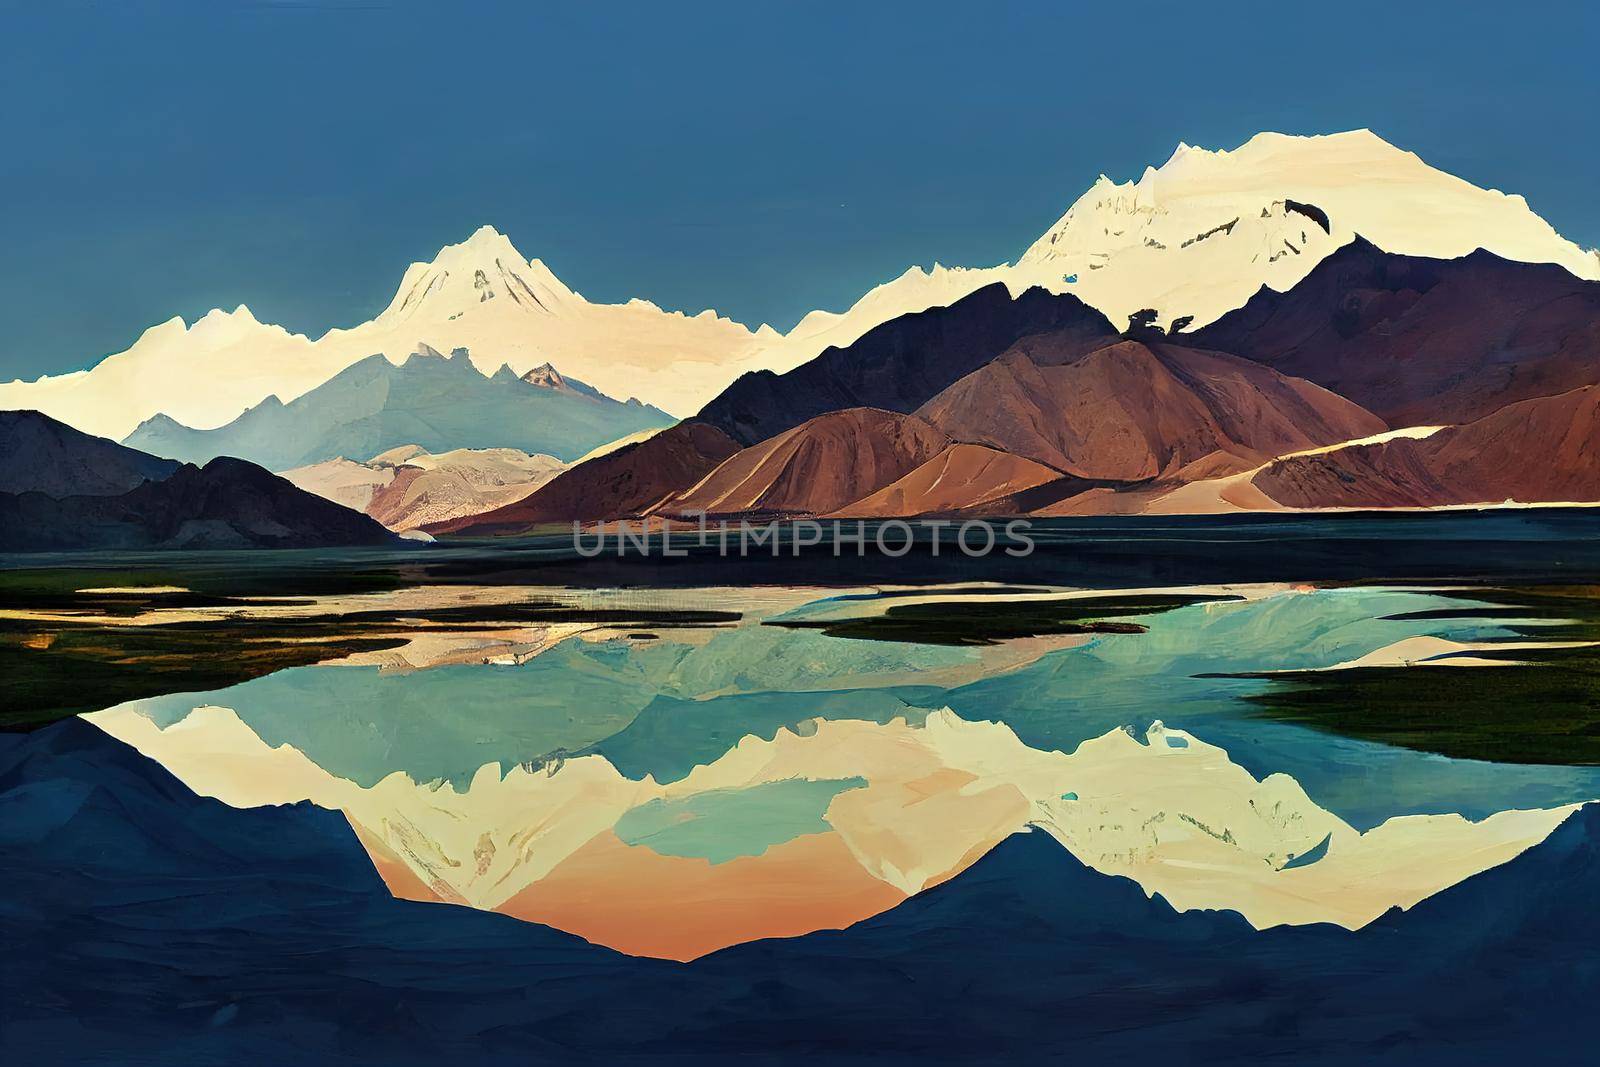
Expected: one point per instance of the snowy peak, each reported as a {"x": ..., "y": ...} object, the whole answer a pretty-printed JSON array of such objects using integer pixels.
[
  {"x": 1201, "y": 233},
  {"x": 485, "y": 267},
  {"x": 215, "y": 329},
  {"x": 1364, "y": 183},
  {"x": 545, "y": 377},
  {"x": 485, "y": 241}
]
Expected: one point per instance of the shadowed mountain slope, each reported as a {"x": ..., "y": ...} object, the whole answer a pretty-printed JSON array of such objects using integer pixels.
[
  {"x": 228, "y": 503},
  {"x": 900, "y": 364},
  {"x": 42, "y": 455},
  {"x": 1423, "y": 341}
]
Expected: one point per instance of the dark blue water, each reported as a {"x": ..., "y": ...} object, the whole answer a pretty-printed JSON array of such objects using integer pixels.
[{"x": 1535, "y": 544}]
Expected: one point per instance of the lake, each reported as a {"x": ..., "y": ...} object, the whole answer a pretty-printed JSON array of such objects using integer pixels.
[{"x": 1313, "y": 727}]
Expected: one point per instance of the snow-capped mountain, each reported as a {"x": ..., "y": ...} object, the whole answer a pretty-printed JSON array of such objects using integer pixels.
[
  {"x": 1195, "y": 237},
  {"x": 482, "y": 295},
  {"x": 1199, "y": 235},
  {"x": 202, "y": 374},
  {"x": 1202, "y": 233}
]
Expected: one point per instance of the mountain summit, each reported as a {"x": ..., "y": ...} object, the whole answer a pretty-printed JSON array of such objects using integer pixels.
[
  {"x": 545, "y": 376},
  {"x": 484, "y": 267}
]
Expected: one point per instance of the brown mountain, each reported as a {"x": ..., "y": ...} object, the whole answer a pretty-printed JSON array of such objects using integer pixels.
[
  {"x": 1133, "y": 411},
  {"x": 1041, "y": 382},
  {"x": 408, "y": 487},
  {"x": 894, "y": 367},
  {"x": 900, "y": 364},
  {"x": 628, "y": 482},
  {"x": 961, "y": 478},
  {"x": 819, "y": 466},
  {"x": 1423, "y": 341},
  {"x": 1546, "y": 449}
]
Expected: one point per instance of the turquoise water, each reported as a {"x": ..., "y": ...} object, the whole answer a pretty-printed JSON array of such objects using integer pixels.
[
  {"x": 665, "y": 706},
  {"x": 724, "y": 824}
]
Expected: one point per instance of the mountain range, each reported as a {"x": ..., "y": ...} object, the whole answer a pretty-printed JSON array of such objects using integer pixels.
[
  {"x": 1328, "y": 395},
  {"x": 1301, "y": 323},
  {"x": 481, "y": 295},
  {"x": 437, "y": 403},
  {"x": 66, "y": 491},
  {"x": 1189, "y": 240},
  {"x": 1423, "y": 340}
]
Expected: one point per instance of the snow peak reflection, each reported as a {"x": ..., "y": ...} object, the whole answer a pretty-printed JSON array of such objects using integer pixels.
[{"x": 894, "y": 537}]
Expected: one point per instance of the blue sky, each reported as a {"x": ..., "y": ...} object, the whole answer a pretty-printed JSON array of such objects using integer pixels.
[{"x": 761, "y": 158}]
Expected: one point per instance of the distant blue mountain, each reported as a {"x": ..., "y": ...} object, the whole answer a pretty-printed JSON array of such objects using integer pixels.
[
  {"x": 140, "y": 923},
  {"x": 438, "y": 402}
]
